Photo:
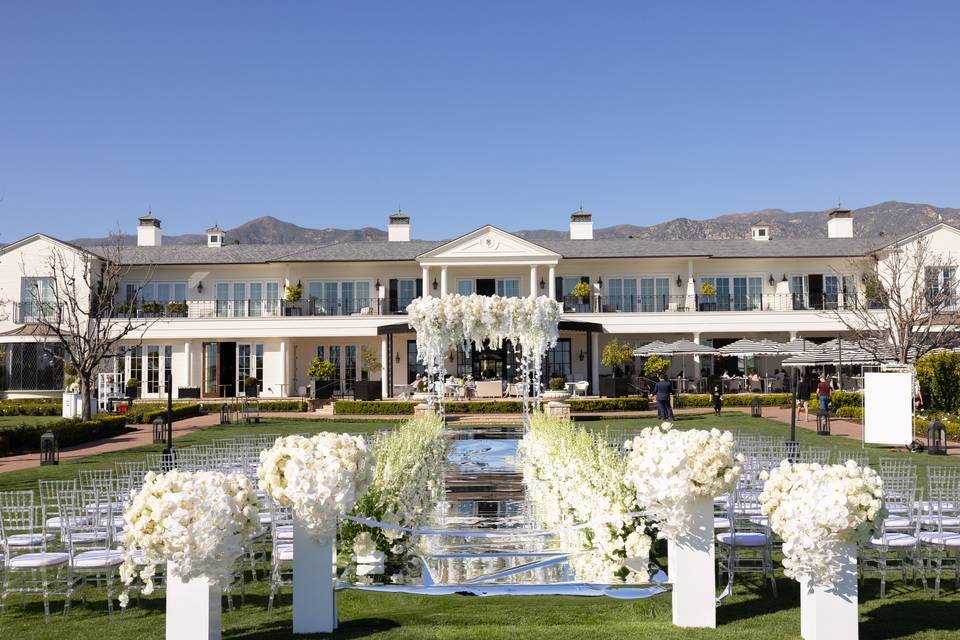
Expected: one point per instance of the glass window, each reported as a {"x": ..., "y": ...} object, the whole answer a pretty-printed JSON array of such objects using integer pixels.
[
  {"x": 223, "y": 299},
  {"x": 465, "y": 287},
  {"x": 559, "y": 362},
  {"x": 413, "y": 366},
  {"x": 167, "y": 364},
  {"x": 243, "y": 366},
  {"x": 136, "y": 363},
  {"x": 941, "y": 286},
  {"x": 508, "y": 287},
  {"x": 407, "y": 291},
  {"x": 153, "y": 368},
  {"x": 239, "y": 299},
  {"x": 256, "y": 299},
  {"x": 36, "y": 297}
]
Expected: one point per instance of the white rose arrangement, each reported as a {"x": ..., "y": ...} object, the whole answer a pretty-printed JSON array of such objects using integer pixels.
[
  {"x": 666, "y": 468},
  {"x": 319, "y": 477},
  {"x": 198, "y": 522},
  {"x": 813, "y": 507},
  {"x": 574, "y": 478}
]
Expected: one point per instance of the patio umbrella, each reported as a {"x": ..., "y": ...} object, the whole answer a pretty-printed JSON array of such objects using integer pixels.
[
  {"x": 797, "y": 346},
  {"x": 686, "y": 348},
  {"x": 747, "y": 347},
  {"x": 648, "y": 349}
]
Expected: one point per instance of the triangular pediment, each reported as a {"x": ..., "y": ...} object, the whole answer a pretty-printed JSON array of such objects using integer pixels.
[{"x": 489, "y": 245}]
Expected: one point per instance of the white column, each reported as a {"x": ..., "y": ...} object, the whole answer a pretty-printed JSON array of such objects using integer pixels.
[
  {"x": 691, "y": 569},
  {"x": 793, "y": 336},
  {"x": 314, "y": 601},
  {"x": 832, "y": 613},
  {"x": 284, "y": 367},
  {"x": 533, "y": 281},
  {"x": 691, "y": 288},
  {"x": 426, "y": 282},
  {"x": 384, "y": 363},
  {"x": 193, "y": 609},
  {"x": 696, "y": 359},
  {"x": 552, "y": 284},
  {"x": 595, "y": 361},
  {"x": 443, "y": 280},
  {"x": 188, "y": 365}
]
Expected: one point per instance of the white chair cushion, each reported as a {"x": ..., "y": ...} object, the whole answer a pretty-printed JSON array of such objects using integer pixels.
[
  {"x": 759, "y": 520},
  {"x": 743, "y": 539},
  {"x": 88, "y": 536},
  {"x": 97, "y": 559},
  {"x": 38, "y": 560},
  {"x": 933, "y": 521},
  {"x": 284, "y": 532},
  {"x": 897, "y": 540},
  {"x": 264, "y": 517},
  {"x": 54, "y": 523},
  {"x": 28, "y": 539},
  {"x": 721, "y": 523},
  {"x": 944, "y": 539},
  {"x": 897, "y": 522},
  {"x": 285, "y": 552}
]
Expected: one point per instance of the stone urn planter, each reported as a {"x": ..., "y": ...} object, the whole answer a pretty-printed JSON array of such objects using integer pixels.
[{"x": 556, "y": 396}]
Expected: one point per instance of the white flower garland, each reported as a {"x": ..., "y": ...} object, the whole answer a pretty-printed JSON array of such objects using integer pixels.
[
  {"x": 445, "y": 323},
  {"x": 319, "y": 477},
  {"x": 199, "y": 522},
  {"x": 668, "y": 467},
  {"x": 572, "y": 478},
  {"x": 813, "y": 507}
]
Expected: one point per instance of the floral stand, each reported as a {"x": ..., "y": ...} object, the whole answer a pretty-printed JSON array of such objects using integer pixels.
[
  {"x": 314, "y": 569},
  {"x": 690, "y": 565},
  {"x": 831, "y": 612},
  {"x": 193, "y": 608}
]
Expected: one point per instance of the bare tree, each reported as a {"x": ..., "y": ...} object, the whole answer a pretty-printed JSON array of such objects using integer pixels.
[
  {"x": 909, "y": 306},
  {"x": 84, "y": 311}
]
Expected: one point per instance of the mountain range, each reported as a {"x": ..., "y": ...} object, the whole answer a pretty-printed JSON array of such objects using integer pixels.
[{"x": 885, "y": 219}]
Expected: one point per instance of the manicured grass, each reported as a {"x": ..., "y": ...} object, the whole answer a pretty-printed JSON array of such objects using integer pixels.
[
  {"x": 750, "y": 614},
  {"x": 9, "y": 421},
  {"x": 67, "y": 469}
]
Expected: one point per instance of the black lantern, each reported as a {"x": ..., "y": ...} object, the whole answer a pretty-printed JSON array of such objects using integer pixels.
[
  {"x": 823, "y": 422},
  {"x": 679, "y": 282},
  {"x": 937, "y": 439},
  {"x": 435, "y": 285},
  {"x": 49, "y": 451},
  {"x": 159, "y": 430},
  {"x": 542, "y": 284},
  {"x": 771, "y": 281},
  {"x": 600, "y": 282},
  {"x": 755, "y": 410}
]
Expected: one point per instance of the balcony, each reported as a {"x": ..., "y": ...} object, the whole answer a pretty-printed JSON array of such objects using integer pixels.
[
  {"x": 709, "y": 304},
  {"x": 33, "y": 312},
  {"x": 207, "y": 309}
]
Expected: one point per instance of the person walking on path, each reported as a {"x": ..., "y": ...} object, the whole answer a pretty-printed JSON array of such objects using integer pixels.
[
  {"x": 717, "y": 400},
  {"x": 803, "y": 398},
  {"x": 823, "y": 395},
  {"x": 662, "y": 390}
]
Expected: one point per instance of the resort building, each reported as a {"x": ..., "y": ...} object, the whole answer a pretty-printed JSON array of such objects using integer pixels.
[{"x": 220, "y": 312}]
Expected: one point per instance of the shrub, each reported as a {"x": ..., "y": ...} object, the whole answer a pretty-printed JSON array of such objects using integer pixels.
[
  {"x": 294, "y": 292},
  {"x": 850, "y": 412},
  {"x": 557, "y": 384},
  {"x": 939, "y": 378},
  {"x": 655, "y": 365},
  {"x": 627, "y": 403},
  {"x": 372, "y": 408},
  {"x": 31, "y": 407},
  {"x": 283, "y": 405},
  {"x": 180, "y": 412},
  {"x": 26, "y": 437},
  {"x": 734, "y": 400},
  {"x": 321, "y": 369},
  {"x": 616, "y": 356}
]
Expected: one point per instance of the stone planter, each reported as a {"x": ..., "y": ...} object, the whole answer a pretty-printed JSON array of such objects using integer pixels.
[
  {"x": 366, "y": 390},
  {"x": 555, "y": 396}
]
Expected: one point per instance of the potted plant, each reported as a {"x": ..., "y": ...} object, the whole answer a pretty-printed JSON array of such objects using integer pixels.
[
  {"x": 616, "y": 355},
  {"x": 322, "y": 371},
  {"x": 291, "y": 297},
  {"x": 655, "y": 365},
  {"x": 556, "y": 389},
  {"x": 177, "y": 309},
  {"x": 582, "y": 290},
  {"x": 251, "y": 386},
  {"x": 366, "y": 389},
  {"x": 152, "y": 308},
  {"x": 708, "y": 290},
  {"x": 133, "y": 388}
]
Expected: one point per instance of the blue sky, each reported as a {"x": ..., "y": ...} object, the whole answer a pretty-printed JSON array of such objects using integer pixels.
[{"x": 510, "y": 113}]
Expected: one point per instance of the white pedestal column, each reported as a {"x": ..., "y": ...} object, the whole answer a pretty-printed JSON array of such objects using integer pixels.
[
  {"x": 832, "y": 613},
  {"x": 193, "y": 609},
  {"x": 314, "y": 601},
  {"x": 692, "y": 571}
]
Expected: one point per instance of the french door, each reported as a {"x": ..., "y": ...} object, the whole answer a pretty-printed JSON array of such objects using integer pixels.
[{"x": 346, "y": 364}]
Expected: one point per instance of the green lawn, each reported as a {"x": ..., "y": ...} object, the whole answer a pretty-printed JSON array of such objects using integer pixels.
[
  {"x": 750, "y": 614},
  {"x": 10, "y": 421}
]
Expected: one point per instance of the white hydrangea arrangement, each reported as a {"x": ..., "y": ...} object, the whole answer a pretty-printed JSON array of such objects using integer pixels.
[
  {"x": 573, "y": 477},
  {"x": 814, "y": 507},
  {"x": 407, "y": 485},
  {"x": 667, "y": 468},
  {"x": 197, "y": 522},
  {"x": 320, "y": 477}
]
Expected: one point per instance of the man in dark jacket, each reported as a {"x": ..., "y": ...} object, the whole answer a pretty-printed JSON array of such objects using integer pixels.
[{"x": 662, "y": 391}]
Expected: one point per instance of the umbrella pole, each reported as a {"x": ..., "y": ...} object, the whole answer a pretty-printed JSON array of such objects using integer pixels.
[{"x": 793, "y": 411}]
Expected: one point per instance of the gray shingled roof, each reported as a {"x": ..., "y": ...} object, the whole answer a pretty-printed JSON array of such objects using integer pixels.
[{"x": 366, "y": 250}]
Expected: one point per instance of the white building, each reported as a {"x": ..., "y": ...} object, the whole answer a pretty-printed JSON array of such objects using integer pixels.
[{"x": 223, "y": 313}]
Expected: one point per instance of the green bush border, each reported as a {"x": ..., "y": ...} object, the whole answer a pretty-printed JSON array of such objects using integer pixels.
[
  {"x": 31, "y": 407},
  {"x": 23, "y": 438},
  {"x": 385, "y": 408}
]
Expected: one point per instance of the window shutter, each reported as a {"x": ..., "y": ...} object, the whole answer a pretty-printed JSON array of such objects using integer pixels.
[
  {"x": 419, "y": 287},
  {"x": 558, "y": 292}
]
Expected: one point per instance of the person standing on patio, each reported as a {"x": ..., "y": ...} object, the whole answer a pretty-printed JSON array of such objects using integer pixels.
[
  {"x": 717, "y": 400},
  {"x": 803, "y": 398},
  {"x": 823, "y": 395},
  {"x": 662, "y": 391}
]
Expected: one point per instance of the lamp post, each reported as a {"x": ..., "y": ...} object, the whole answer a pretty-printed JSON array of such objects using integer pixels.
[{"x": 168, "y": 453}]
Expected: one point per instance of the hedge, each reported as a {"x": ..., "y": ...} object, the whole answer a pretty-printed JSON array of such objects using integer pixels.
[
  {"x": 31, "y": 407},
  {"x": 382, "y": 408},
  {"x": 733, "y": 400},
  {"x": 26, "y": 437},
  {"x": 283, "y": 405},
  {"x": 180, "y": 412},
  {"x": 920, "y": 428}
]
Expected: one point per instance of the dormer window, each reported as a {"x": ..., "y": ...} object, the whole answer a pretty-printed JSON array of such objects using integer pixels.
[
  {"x": 215, "y": 236},
  {"x": 214, "y": 239},
  {"x": 760, "y": 230}
]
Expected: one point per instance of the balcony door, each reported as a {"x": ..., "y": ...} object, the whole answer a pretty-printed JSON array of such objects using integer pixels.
[{"x": 219, "y": 370}]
